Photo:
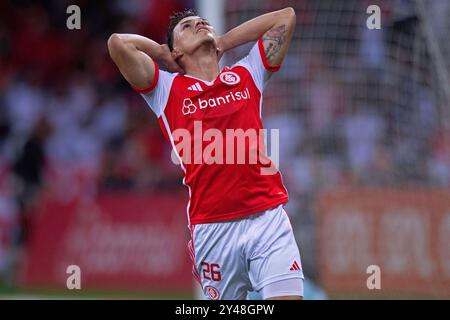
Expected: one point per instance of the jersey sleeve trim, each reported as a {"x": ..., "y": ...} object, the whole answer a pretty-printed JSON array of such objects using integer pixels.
[
  {"x": 264, "y": 58},
  {"x": 153, "y": 84}
]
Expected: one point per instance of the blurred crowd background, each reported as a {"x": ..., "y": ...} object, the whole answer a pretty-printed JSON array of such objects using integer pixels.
[
  {"x": 356, "y": 108},
  {"x": 69, "y": 123}
]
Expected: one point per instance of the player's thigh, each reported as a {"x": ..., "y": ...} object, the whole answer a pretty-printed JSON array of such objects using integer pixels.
[
  {"x": 274, "y": 257},
  {"x": 219, "y": 261},
  {"x": 289, "y": 289}
]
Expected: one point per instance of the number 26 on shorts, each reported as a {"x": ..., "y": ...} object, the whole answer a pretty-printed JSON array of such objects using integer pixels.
[{"x": 211, "y": 271}]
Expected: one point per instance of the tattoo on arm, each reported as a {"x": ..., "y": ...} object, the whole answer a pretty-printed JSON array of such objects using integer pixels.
[{"x": 273, "y": 40}]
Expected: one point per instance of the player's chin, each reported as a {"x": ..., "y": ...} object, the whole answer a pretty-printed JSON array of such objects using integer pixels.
[
  {"x": 201, "y": 35},
  {"x": 202, "y": 41},
  {"x": 207, "y": 38}
]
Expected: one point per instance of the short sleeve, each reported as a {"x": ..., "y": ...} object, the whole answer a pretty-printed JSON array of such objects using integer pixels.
[
  {"x": 157, "y": 94},
  {"x": 256, "y": 62}
]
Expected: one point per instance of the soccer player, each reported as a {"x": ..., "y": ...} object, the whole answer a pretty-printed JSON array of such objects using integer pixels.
[{"x": 241, "y": 237}]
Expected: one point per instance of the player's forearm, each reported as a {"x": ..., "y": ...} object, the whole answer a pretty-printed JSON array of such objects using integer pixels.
[
  {"x": 118, "y": 43},
  {"x": 255, "y": 28},
  {"x": 133, "y": 56}
]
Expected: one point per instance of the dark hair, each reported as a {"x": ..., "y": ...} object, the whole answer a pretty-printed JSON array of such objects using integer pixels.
[{"x": 174, "y": 20}]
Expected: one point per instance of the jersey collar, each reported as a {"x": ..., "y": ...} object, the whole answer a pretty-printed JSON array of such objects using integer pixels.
[{"x": 208, "y": 83}]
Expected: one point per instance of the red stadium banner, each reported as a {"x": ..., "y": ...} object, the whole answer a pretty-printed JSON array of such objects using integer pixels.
[
  {"x": 119, "y": 241},
  {"x": 405, "y": 233}
]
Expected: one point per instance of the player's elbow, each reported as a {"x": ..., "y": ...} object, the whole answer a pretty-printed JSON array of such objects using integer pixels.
[
  {"x": 115, "y": 45},
  {"x": 289, "y": 15},
  {"x": 289, "y": 11}
]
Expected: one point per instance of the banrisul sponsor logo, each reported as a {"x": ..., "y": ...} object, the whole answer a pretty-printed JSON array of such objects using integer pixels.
[{"x": 191, "y": 106}]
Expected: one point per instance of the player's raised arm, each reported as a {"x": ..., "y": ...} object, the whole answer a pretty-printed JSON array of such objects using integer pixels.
[
  {"x": 134, "y": 54},
  {"x": 276, "y": 29}
]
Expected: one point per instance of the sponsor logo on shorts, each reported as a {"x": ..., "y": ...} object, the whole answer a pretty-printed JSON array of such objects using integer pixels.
[{"x": 212, "y": 292}]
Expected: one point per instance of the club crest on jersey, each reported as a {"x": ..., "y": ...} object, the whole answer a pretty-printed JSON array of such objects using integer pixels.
[
  {"x": 229, "y": 77},
  {"x": 212, "y": 292}
]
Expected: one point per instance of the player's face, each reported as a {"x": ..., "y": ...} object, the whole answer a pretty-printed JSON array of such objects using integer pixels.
[{"x": 192, "y": 32}]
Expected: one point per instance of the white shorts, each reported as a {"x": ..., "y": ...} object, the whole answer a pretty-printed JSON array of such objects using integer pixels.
[{"x": 254, "y": 253}]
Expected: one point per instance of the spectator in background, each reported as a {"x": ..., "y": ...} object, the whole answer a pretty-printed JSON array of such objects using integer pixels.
[
  {"x": 363, "y": 131},
  {"x": 27, "y": 171},
  {"x": 381, "y": 173},
  {"x": 325, "y": 97}
]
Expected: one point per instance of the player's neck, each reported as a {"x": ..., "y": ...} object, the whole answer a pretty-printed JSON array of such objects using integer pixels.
[{"x": 202, "y": 64}]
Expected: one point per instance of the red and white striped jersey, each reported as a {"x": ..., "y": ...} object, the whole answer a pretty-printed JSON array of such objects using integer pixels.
[{"x": 203, "y": 112}]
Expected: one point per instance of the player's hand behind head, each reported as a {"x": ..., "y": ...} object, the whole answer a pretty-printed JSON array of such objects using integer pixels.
[{"x": 167, "y": 59}]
